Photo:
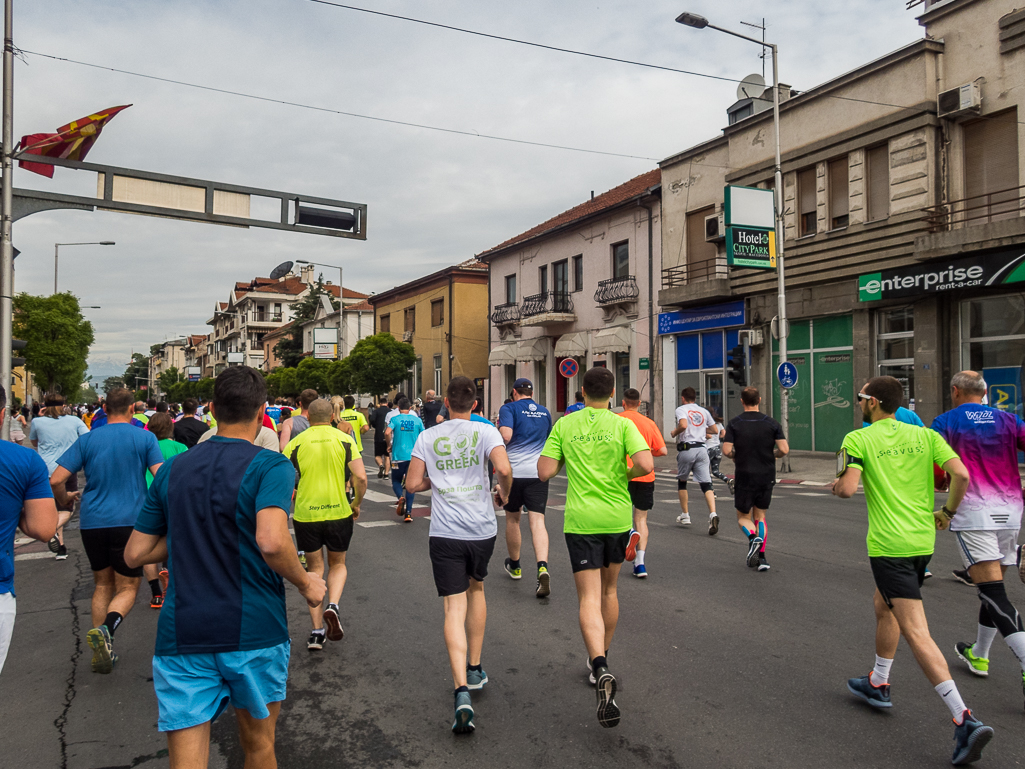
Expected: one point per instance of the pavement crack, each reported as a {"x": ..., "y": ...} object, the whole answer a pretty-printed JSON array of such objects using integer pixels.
[{"x": 70, "y": 691}]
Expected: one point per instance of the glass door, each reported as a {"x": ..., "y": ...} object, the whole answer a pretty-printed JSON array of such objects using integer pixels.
[{"x": 713, "y": 395}]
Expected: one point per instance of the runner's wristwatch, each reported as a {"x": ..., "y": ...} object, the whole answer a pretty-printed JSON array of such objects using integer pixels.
[{"x": 949, "y": 513}]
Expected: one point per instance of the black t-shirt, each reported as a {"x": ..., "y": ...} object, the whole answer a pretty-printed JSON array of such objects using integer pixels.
[
  {"x": 754, "y": 437},
  {"x": 429, "y": 412},
  {"x": 188, "y": 429},
  {"x": 380, "y": 421}
]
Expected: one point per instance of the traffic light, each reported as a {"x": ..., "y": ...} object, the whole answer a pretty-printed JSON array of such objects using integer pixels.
[
  {"x": 736, "y": 365},
  {"x": 18, "y": 344}
]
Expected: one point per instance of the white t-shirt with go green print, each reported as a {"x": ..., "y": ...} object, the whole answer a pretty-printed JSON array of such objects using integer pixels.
[{"x": 594, "y": 444}]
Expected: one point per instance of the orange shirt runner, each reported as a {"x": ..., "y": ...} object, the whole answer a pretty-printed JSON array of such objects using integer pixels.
[{"x": 651, "y": 434}]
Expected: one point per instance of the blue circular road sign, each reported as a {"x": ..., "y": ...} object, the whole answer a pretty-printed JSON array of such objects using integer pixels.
[{"x": 786, "y": 373}]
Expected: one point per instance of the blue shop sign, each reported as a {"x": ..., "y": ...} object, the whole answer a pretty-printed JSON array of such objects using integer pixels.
[{"x": 702, "y": 318}]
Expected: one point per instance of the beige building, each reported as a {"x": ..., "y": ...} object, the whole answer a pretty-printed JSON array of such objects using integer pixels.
[
  {"x": 902, "y": 193},
  {"x": 171, "y": 354},
  {"x": 444, "y": 316}
]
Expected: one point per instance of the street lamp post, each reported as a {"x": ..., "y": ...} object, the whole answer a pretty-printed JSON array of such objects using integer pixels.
[
  {"x": 700, "y": 22},
  {"x": 56, "y": 254}
]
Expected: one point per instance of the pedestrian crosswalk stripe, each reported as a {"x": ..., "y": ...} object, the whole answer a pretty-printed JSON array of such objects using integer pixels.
[{"x": 376, "y": 524}]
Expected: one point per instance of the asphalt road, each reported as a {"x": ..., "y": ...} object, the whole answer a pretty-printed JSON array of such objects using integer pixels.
[{"x": 719, "y": 666}]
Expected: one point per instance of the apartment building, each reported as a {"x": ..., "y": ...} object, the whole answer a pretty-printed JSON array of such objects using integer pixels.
[
  {"x": 169, "y": 354},
  {"x": 903, "y": 231},
  {"x": 576, "y": 291},
  {"x": 196, "y": 356}
]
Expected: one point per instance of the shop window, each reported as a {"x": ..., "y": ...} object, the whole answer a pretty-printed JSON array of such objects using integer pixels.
[
  {"x": 993, "y": 334},
  {"x": 877, "y": 183},
  {"x": 991, "y": 168},
  {"x": 839, "y": 194},
  {"x": 510, "y": 377},
  {"x": 541, "y": 384},
  {"x": 895, "y": 348},
  {"x": 437, "y": 312},
  {"x": 578, "y": 272},
  {"x": 385, "y": 323},
  {"x": 621, "y": 260},
  {"x": 807, "y": 202},
  {"x": 701, "y": 261},
  {"x": 622, "y": 363}
]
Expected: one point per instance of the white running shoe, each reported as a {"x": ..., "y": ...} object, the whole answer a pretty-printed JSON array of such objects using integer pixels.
[{"x": 683, "y": 519}]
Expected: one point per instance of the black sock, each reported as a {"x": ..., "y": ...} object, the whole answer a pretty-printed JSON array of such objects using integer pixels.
[
  {"x": 462, "y": 689},
  {"x": 154, "y": 585},
  {"x": 112, "y": 621},
  {"x": 477, "y": 668},
  {"x": 597, "y": 663},
  {"x": 542, "y": 563},
  {"x": 514, "y": 564}
]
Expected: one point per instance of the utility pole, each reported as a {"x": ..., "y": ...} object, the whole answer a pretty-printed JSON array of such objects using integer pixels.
[{"x": 6, "y": 203}]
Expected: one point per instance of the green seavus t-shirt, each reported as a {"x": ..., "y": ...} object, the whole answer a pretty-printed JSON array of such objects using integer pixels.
[
  {"x": 594, "y": 444},
  {"x": 896, "y": 462}
]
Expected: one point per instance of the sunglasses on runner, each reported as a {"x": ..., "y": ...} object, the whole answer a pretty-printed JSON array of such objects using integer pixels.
[{"x": 865, "y": 397}]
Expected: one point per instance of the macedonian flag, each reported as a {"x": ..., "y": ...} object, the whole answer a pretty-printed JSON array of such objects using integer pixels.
[{"x": 71, "y": 142}]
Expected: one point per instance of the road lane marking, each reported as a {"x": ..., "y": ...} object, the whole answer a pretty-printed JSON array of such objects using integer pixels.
[
  {"x": 33, "y": 556},
  {"x": 376, "y": 524}
]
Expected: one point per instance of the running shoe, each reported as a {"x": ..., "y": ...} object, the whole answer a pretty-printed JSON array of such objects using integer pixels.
[
  {"x": 608, "y": 711},
  {"x": 164, "y": 578},
  {"x": 683, "y": 519},
  {"x": 62, "y": 553},
  {"x": 400, "y": 506},
  {"x": 1021, "y": 562},
  {"x": 156, "y": 602},
  {"x": 101, "y": 643},
  {"x": 463, "y": 723},
  {"x": 713, "y": 524},
  {"x": 333, "y": 623},
  {"x": 752, "y": 551},
  {"x": 315, "y": 642},
  {"x": 927, "y": 574},
  {"x": 640, "y": 572},
  {"x": 408, "y": 518},
  {"x": 302, "y": 559},
  {"x": 475, "y": 679},
  {"x": 732, "y": 484},
  {"x": 876, "y": 696},
  {"x": 962, "y": 575},
  {"x": 53, "y": 544},
  {"x": 763, "y": 565},
  {"x": 516, "y": 573},
  {"x": 977, "y": 665},
  {"x": 631, "y": 546},
  {"x": 544, "y": 583},
  {"x": 590, "y": 673},
  {"x": 970, "y": 737}
]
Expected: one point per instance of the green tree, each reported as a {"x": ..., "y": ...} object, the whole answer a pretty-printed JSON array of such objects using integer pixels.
[
  {"x": 137, "y": 372},
  {"x": 166, "y": 379},
  {"x": 340, "y": 377},
  {"x": 281, "y": 383},
  {"x": 58, "y": 339},
  {"x": 313, "y": 374},
  {"x": 112, "y": 383},
  {"x": 378, "y": 363},
  {"x": 84, "y": 395},
  {"x": 205, "y": 388},
  {"x": 290, "y": 349}
]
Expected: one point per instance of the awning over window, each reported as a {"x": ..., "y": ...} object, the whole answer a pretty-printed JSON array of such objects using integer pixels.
[
  {"x": 571, "y": 346},
  {"x": 532, "y": 349},
  {"x": 502, "y": 354},
  {"x": 615, "y": 339}
]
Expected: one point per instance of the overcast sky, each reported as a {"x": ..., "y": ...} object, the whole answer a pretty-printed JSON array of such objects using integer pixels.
[{"x": 434, "y": 198}]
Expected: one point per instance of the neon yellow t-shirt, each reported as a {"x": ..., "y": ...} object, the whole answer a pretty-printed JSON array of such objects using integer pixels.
[
  {"x": 594, "y": 444},
  {"x": 358, "y": 422},
  {"x": 321, "y": 456}
]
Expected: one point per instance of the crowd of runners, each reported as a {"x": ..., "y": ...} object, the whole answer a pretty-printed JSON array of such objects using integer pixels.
[{"x": 199, "y": 500}]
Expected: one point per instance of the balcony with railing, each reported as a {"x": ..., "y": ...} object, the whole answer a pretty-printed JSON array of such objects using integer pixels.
[
  {"x": 506, "y": 314},
  {"x": 617, "y": 296},
  {"x": 703, "y": 281},
  {"x": 264, "y": 319},
  {"x": 547, "y": 307},
  {"x": 981, "y": 222},
  {"x": 995, "y": 206}
]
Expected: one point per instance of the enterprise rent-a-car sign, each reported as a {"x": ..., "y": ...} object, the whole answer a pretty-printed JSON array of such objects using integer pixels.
[{"x": 982, "y": 270}]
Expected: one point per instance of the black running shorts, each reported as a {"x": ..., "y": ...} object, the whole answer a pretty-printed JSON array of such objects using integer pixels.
[
  {"x": 529, "y": 493},
  {"x": 105, "y": 549},
  {"x": 70, "y": 486},
  {"x": 900, "y": 577},
  {"x": 642, "y": 494},
  {"x": 746, "y": 498},
  {"x": 335, "y": 535},
  {"x": 593, "y": 551},
  {"x": 456, "y": 561},
  {"x": 380, "y": 447}
]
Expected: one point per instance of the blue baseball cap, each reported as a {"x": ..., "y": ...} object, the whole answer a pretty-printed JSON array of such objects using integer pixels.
[{"x": 521, "y": 383}]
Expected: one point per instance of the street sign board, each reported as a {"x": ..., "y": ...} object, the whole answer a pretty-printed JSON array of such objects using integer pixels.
[
  {"x": 236, "y": 357},
  {"x": 751, "y": 247},
  {"x": 193, "y": 373},
  {"x": 749, "y": 207},
  {"x": 786, "y": 373},
  {"x": 569, "y": 368},
  {"x": 325, "y": 343},
  {"x": 644, "y": 364}
]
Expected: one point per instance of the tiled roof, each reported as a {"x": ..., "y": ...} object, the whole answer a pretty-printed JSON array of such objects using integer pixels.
[
  {"x": 364, "y": 305},
  {"x": 472, "y": 264},
  {"x": 279, "y": 331},
  {"x": 607, "y": 200}
]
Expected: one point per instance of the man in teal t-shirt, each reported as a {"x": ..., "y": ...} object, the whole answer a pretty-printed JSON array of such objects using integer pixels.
[
  {"x": 594, "y": 445},
  {"x": 894, "y": 462},
  {"x": 402, "y": 432}
]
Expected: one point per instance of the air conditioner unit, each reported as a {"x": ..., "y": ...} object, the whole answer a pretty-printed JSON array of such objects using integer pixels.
[
  {"x": 963, "y": 100},
  {"x": 715, "y": 228}
]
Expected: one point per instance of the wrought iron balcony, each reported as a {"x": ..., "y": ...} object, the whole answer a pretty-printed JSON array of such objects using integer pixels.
[
  {"x": 693, "y": 273},
  {"x": 505, "y": 314},
  {"x": 548, "y": 302},
  {"x": 616, "y": 290},
  {"x": 982, "y": 209}
]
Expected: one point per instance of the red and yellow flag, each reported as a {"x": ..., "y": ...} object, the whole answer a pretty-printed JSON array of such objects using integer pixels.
[{"x": 71, "y": 142}]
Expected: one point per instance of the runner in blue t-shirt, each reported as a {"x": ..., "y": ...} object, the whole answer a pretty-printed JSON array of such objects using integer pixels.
[
  {"x": 218, "y": 514},
  {"x": 401, "y": 434},
  {"x": 525, "y": 426},
  {"x": 25, "y": 501}
]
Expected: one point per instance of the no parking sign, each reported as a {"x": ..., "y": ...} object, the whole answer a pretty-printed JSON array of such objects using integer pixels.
[{"x": 569, "y": 368}]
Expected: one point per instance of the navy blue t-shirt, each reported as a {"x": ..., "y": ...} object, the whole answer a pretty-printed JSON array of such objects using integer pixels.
[
  {"x": 222, "y": 595},
  {"x": 22, "y": 476},
  {"x": 530, "y": 425}
]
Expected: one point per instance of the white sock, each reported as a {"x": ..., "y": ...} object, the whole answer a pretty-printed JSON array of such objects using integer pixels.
[
  {"x": 881, "y": 672},
  {"x": 984, "y": 642},
  {"x": 948, "y": 691},
  {"x": 1017, "y": 643},
  {"x": 639, "y": 560}
]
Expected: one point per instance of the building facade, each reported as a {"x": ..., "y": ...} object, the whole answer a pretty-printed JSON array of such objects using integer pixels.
[
  {"x": 576, "y": 292},
  {"x": 169, "y": 354}
]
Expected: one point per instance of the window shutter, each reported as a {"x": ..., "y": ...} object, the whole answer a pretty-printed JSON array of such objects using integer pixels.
[
  {"x": 877, "y": 162},
  {"x": 700, "y": 253},
  {"x": 991, "y": 167},
  {"x": 839, "y": 205}
]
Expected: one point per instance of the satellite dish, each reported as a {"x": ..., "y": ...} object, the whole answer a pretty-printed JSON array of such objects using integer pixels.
[
  {"x": 281, "y": 270},
  {"x": 751, "y": 87}
]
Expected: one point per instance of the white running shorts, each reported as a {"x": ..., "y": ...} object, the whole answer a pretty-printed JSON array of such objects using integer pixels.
[{"x": 977, "y": 546}]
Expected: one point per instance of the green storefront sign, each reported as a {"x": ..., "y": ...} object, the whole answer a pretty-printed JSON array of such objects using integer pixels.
[
  {"x": 751, "y": 247},
  {"x": 979, "y": 271}
]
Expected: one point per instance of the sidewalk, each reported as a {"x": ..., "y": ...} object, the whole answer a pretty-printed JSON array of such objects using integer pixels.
[{"x": 808, "y": 468}]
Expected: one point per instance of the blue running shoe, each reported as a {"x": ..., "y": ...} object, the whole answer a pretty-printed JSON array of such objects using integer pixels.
[
  {"x": 463, "y": 723},
  {"x": 876, "y": 696},
  {"x": 475, "y": 679},
  {"x": 970, "y": 737},
  {"x": 100, "y": 642},
  {"x": 640, "y": 572}
]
